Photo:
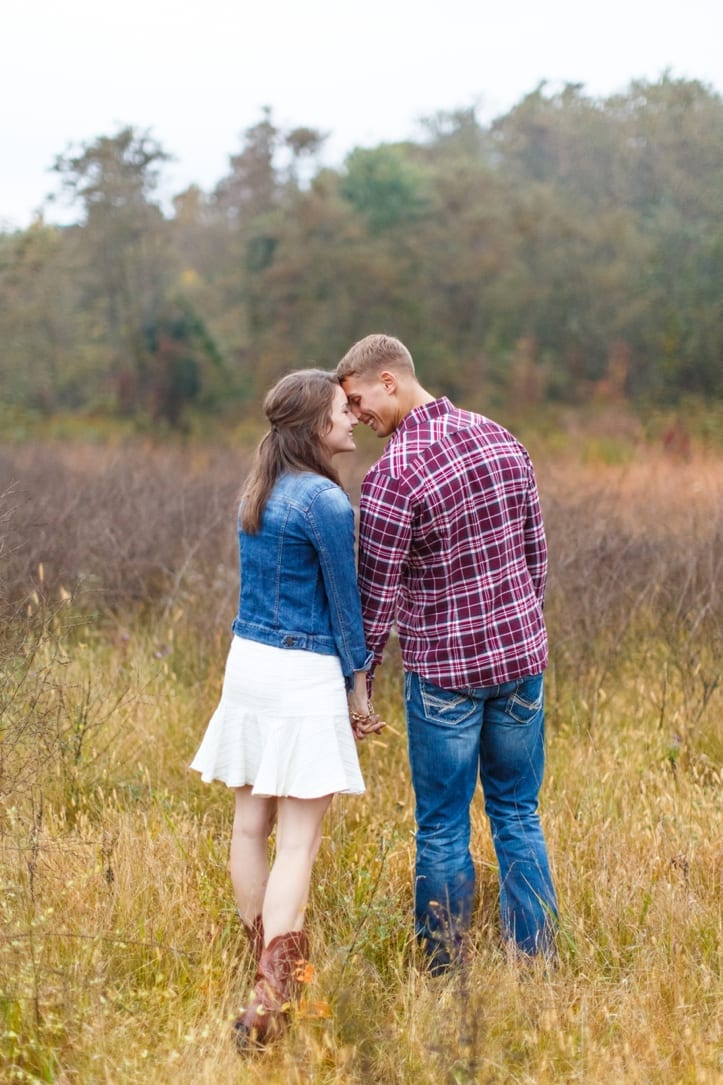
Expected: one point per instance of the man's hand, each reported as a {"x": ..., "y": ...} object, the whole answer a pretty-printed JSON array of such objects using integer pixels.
[{"x": 365, "y": 723}]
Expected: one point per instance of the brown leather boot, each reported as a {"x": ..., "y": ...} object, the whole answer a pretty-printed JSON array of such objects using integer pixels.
[
  {"x": 277, "y": 984},
  {"x": 255, "y": 935}
]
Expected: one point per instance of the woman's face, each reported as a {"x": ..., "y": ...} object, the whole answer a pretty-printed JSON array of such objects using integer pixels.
[{"x": 340, "y": 435}]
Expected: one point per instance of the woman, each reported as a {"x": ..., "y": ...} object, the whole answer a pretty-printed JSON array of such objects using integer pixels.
[{"x": 281, "y": 735}]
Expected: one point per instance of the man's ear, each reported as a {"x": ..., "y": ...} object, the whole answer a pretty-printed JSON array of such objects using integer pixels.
[{"x": 389, "y": 380}]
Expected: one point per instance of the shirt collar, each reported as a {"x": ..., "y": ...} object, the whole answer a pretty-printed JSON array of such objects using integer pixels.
[{"x": 425, "y": 413}]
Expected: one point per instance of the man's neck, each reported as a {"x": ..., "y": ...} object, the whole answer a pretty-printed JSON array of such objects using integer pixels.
[{"x": 413, "y": 396}]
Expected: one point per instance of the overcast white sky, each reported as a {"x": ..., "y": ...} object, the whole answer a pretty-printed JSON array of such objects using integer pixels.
[{"x": 198, "y": 74}]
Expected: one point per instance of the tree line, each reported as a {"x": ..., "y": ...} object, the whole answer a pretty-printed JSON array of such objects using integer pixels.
[{"x": 568, "y": 250}]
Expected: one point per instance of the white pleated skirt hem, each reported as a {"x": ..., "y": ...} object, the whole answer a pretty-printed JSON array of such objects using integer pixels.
[{"x": 281, "y": 726}]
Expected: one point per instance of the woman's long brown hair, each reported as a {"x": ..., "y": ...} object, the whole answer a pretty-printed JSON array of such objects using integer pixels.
[{"x": 299, "y": 412}]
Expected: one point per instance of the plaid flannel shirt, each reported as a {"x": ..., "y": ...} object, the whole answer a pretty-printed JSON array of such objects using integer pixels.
[{"x": 452, "y": 547}]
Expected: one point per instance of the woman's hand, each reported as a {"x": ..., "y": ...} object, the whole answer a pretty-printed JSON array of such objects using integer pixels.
[
  {"x": 364, "y": 720},
  {"x": 368, "y": 723}
]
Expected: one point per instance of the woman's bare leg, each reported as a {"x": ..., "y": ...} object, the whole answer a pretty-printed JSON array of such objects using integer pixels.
[
  {"x": 298, "y": 836},
  {"x": 252, "y": 824}
]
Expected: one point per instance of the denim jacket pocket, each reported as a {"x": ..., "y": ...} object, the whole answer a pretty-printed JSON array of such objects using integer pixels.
[
  {"x": 526, "y": 700},
  {"x": 446, "y": 706}
]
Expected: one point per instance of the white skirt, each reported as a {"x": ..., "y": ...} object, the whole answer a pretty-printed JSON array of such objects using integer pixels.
[{"x": 282, "y": 725}]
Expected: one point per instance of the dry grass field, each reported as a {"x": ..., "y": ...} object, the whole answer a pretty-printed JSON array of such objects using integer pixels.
[{"x": 121, "y": 958}]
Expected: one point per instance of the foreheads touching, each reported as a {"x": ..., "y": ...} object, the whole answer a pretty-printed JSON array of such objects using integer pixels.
[{"x": 373, "y": 355}]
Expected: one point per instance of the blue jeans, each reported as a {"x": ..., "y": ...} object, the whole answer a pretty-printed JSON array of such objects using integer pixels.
[{"x": 453, "y": 735}]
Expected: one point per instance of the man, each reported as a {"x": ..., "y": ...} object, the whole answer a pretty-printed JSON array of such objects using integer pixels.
[{"x": 452, "y": 547}]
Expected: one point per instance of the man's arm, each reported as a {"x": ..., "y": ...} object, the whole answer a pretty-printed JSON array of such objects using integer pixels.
[
  {"x": 535, "y": 542},
  {"x": 385, "y": 534}
]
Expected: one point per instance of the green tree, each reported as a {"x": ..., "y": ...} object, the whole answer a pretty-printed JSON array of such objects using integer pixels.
[
  {"x": 675, "y": 131},
  {"x": 179, "y": 345},
  {"x": 122, "y": 256},
  {"x": 619, "y": 206},
  {"x": 43, "y": 356},
  {"x": 386, "y": 186}
]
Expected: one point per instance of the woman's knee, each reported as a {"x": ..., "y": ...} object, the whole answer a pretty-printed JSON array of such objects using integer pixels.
[
  {"x": 254, "y": 816},
  {"x": 300, "y": 825}
]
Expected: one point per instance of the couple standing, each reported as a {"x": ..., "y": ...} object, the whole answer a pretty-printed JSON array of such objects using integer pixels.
[{"x": 452, "y": 549}]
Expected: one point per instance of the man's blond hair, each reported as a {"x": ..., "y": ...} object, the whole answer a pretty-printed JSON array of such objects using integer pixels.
[{"x": 374, "y": 353}]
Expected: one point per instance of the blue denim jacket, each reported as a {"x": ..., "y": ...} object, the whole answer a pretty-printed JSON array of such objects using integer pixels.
[{"x": 298, "y": 573}]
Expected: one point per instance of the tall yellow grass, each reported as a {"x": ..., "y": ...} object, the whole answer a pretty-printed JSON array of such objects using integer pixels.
[{"x": 121, "y": 957}]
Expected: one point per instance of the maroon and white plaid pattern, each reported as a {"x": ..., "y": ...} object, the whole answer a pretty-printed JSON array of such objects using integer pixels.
[{"x": 452, "y": 547}]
